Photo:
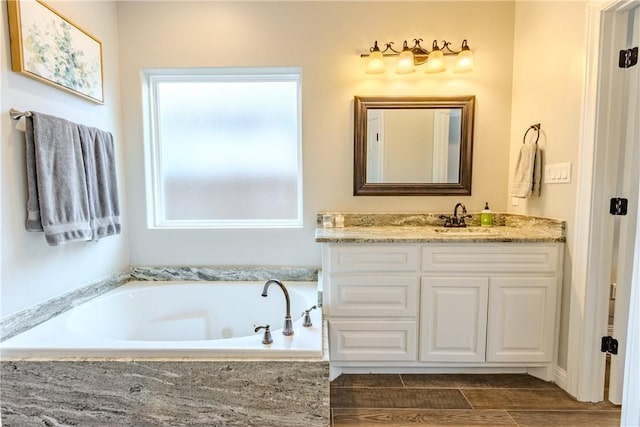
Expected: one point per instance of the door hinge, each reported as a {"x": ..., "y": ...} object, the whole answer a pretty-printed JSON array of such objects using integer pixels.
[
  {"x": 609, "y": 345},
  {"x": 618, "y": 206},
  {"x": 628, "y": 57}
]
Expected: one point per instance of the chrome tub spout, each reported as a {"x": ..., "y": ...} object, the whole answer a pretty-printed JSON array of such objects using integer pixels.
[{"x": 288, "y": 326}]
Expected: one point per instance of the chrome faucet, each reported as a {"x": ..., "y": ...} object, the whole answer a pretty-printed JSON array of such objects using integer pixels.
[
  {"x": 288, "y": 327},
  {"x": 455, "y": 221},
  {"x": 455, "y": 210}
]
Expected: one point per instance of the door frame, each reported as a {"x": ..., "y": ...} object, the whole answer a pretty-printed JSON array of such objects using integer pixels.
[
  {"x": 589, "y": 295},
  {"x": 380, "y": 146},
  {"x": 631, "y": 389}
]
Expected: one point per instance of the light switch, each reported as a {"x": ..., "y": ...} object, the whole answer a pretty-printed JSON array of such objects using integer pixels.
[
  {"x": 549, "y": 174},
  {"x": 557, "y": 173}
]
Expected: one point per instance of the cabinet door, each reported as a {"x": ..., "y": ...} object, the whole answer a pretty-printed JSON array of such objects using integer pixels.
[
  {"x": 453, "y": 319},
  {"x": 522, "y": 318},
  {"x": 372, "y": 340}
]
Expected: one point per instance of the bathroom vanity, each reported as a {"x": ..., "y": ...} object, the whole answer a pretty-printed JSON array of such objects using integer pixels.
[{"x": 404, "y": 294}]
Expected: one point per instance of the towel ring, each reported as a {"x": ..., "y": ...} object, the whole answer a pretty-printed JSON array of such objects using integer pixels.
[{"x": 535, "y": 127}]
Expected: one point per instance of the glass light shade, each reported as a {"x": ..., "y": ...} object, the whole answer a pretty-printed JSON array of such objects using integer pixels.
[
  {"x": 435, "y": 63},
  {"x": 405, "y": 63},
  {"x": 465, "y": 61},
  {"x": 376, "y": 63}
]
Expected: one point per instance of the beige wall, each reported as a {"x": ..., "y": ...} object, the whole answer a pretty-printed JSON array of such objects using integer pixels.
[
  {"x": 548, "y": 82},
  {"x": 32, "y": 271},
  {"x": 326, "y": 40}
]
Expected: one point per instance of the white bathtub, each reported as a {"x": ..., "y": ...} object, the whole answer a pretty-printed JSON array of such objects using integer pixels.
[{"x": 171, "y": 319}]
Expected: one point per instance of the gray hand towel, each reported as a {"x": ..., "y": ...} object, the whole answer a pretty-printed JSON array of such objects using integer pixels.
[
  {"x": 99, "y": 160},
  {"x": 57, "y": 186},
  {"x": 528, "y": 171}
]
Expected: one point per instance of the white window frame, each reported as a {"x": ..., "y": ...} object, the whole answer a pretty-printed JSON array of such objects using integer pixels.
[{"x": 153, "y": 161}]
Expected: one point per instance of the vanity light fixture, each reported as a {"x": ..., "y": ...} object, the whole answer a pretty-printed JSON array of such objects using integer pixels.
[{"x": 409, "y": 57}]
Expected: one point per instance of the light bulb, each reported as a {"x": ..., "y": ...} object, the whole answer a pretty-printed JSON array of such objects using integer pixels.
[
  {"x": 465, "y": 59},
  {"x": 405, "y": 61},
  {"x": 435, "y": 63},
  {"x": 376, "y": 62}
]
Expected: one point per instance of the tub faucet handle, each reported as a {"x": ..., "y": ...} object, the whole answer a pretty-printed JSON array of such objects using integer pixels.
[
  {"x": 307, "y": 317},
  {"x": 266, "y": 339}
]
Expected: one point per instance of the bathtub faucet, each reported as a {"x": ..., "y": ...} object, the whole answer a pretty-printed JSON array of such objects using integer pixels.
[{"x": 288, "y": 327}]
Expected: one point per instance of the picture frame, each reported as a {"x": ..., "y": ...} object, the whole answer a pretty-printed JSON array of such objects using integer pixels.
[{"x": 48, "y": 47}]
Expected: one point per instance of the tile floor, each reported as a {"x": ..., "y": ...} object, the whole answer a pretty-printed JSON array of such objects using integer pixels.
[{"x": 460, "y": 400}]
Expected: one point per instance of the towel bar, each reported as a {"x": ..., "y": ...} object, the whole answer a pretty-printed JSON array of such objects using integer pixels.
[
  {"x": 16, "y": 114},
  {"x": 535, "y": 127}
]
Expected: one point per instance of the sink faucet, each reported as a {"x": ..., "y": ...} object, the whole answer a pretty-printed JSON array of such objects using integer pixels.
[
  {"x": 288, "y": 327},
  {"x": 455, "y": 221}
]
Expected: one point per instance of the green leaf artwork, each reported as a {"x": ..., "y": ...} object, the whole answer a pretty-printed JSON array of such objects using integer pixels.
[{"x": 50, "y": 53}]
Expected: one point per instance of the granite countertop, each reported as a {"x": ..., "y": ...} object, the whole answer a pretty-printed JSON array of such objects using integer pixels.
[{"x": 427, "y": 228}]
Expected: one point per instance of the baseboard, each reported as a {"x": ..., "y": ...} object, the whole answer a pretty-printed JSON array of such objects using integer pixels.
[{"x": 560, "y": 378}]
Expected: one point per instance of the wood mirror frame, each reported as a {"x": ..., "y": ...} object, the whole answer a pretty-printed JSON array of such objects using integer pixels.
[{"x": 463, "y": 185}]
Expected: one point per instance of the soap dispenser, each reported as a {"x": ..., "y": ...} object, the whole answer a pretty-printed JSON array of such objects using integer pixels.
[{"x": 486, "y": 217}]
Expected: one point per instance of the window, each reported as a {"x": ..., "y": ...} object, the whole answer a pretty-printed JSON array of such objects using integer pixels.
[{"x": 224, "y": 148}]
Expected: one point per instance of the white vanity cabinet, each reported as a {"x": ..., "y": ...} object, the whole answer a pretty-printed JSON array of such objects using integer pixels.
[{"x": 442, "y": 305}]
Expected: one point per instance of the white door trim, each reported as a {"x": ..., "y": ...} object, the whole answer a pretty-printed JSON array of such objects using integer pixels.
[
  {"x": 585, "y": 369},
  {"x": 582, "y": 295},
  {"x": 631, "y": 391},
  {"x": 631, "y": 388},
  {"x": 440, "y": 145}
]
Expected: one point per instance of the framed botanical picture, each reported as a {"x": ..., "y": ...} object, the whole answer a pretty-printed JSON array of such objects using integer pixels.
[{"x": 47, "y": 46}]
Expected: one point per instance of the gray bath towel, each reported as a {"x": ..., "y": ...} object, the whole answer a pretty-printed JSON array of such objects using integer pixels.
[
  {"x": 71, "y": 180},
  {"x": 57, "y": 201},
  {"x": 528, "y": 171},
  {"x": 99, "y": 160}
]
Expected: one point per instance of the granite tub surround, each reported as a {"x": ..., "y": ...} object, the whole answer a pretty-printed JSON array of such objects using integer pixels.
[
  {"x": 169, "y": 393},
  {"x": 428, "y": 228},
  {"x": 226, "y": 273},
  {"x": 26, "y": 319}
]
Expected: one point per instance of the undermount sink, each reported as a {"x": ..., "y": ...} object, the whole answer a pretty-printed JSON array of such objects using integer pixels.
[{"x": 467, "y": 231}]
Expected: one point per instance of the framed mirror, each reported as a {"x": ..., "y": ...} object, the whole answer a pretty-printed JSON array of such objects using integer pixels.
[{"x": 413, "y": 145}]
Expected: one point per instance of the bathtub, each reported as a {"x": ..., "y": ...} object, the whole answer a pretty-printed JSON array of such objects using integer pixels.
[{"x": 178, "y": 319}]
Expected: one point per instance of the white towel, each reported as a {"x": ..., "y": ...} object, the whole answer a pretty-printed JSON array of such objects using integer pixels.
[{"x": 528, "y": 172}]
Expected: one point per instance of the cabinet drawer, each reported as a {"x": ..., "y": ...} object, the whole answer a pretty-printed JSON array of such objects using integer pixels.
[
  {"x": 476, "y": 257},
  {"x": 372, "y": 340},
  {"x": 373, "y": 258},
  {"x": 378, "y": 296}
]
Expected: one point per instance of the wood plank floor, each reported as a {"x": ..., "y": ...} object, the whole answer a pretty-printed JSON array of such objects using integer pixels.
[{"x": 461, "y": 400}]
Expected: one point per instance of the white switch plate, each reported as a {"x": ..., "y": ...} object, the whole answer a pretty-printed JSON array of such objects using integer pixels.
[{"x": 557, "y": 173}]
